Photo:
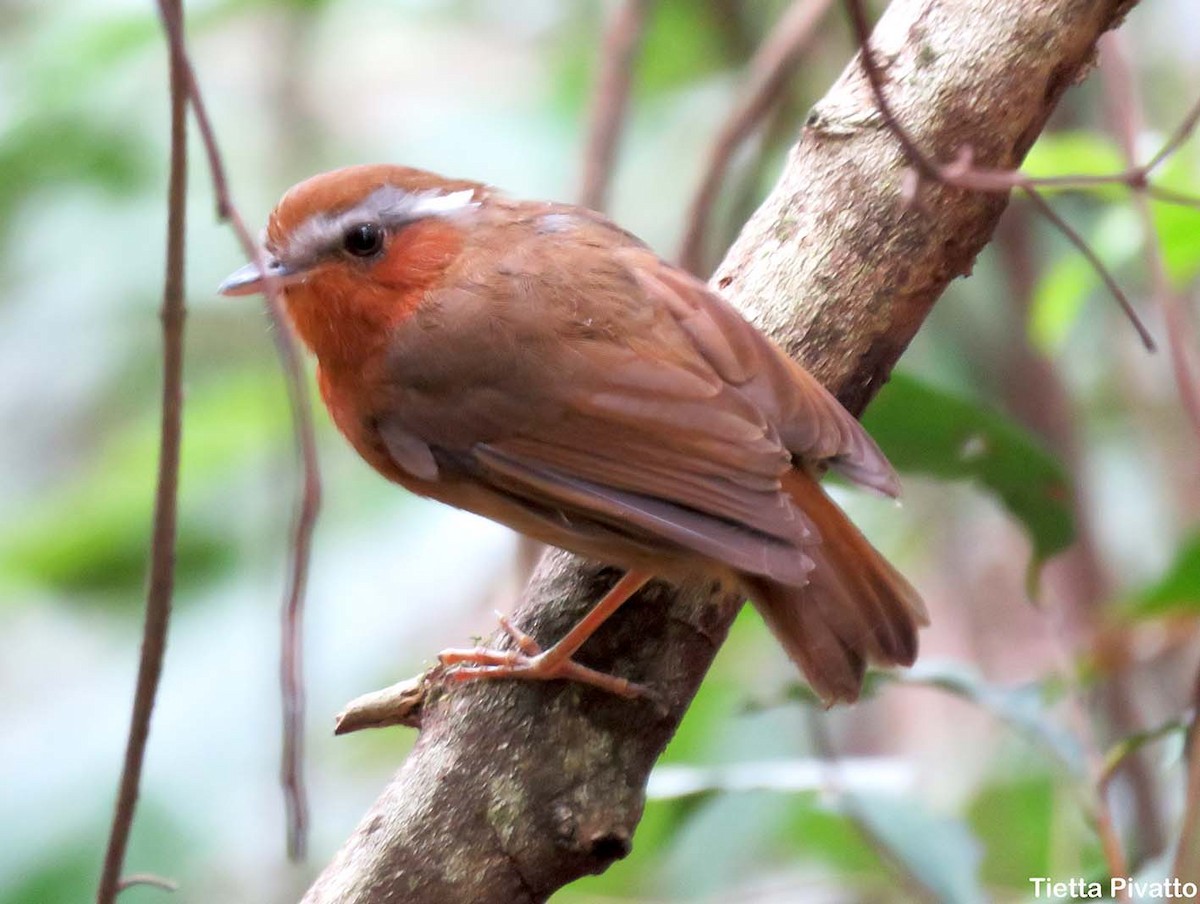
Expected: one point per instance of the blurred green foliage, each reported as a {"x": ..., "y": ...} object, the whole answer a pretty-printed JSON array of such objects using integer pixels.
[
  {"x": 1177, "y": 592},
  {"x": 50, "y": 151},
  {"x": 91, "y": 536}
]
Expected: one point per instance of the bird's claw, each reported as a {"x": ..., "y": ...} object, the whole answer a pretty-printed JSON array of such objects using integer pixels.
[{"x": 530, "y": 662}]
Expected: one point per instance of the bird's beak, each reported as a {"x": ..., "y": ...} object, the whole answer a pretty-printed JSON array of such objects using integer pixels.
[{"x": 248, "y": 280}]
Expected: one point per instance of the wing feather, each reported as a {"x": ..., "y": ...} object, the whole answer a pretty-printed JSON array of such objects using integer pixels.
[
  {"x": 725, "y": 542},
  {"x": 810, "y": 421},
  {"x": 624, "y": 394}
]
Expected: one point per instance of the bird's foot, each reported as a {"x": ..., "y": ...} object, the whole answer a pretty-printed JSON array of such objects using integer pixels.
[{"x": 529, "y": 662}]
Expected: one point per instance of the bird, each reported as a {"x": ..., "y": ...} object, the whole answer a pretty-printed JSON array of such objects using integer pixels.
[{"x": 536, "y": 364}]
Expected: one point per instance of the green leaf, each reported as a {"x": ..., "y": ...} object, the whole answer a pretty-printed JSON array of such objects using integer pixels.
[
  {"x": 1131, "y": 744},
  {"x": 1179, "y": 233},
  {"x": 925, "y": 430},
  {"x": 1178, "y": 225},
  {"x": 1058, "y": 301},
  {"x": 1177, "y": 592},
  {"x": 1014, "y": 819}
]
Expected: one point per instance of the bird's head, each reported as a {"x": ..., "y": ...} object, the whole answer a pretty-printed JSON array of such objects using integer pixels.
[{"x": 356, "y": 248}]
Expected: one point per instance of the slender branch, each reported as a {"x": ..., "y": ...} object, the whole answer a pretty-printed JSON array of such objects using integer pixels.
[
  {"x": 1042, "y": 206},
  {"x": 1096, "y": 790},
  {"x": 1186, "y": 867},
  {"x": 1126, "y": 113},
  {"x": 618, "y": 56},
  {"x": 1134, "y": 176},
  {"x": 515, "y": 788},
  {"x": 1184, "y": 131},
  {"x": 161, "y": 583},
  {"x": 147, "y": 879},
  {"x": 309, "y": 497},
  {"x": 771, "y": 69}
]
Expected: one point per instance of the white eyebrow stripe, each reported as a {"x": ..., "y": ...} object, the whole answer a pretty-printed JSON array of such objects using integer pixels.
[
  {"x": 429, "y": 204},
  {"x": 387, "y": 205}
]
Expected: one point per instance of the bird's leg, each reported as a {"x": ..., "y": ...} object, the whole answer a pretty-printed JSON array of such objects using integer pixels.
[{"x": 529, "y": 661}]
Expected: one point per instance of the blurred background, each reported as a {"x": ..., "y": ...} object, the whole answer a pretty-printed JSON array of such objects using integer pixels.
[{"x": 1028, "y": 421}]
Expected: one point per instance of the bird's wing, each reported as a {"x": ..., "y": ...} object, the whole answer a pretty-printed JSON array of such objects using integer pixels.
[
  {"x": 616, "y": 391},
  {"x": 641, "y": 437},
  {"x": 811, "y": 422}
]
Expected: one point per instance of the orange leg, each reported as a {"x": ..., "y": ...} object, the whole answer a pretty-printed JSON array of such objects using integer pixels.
[{"x": 529, "y": 661}]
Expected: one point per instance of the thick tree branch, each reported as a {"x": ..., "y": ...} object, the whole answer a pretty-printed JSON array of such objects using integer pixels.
[{"x": 515, "y": 789}]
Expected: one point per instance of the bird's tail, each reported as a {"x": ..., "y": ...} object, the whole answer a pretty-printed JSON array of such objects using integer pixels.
[{"x": 856, "y": 608}]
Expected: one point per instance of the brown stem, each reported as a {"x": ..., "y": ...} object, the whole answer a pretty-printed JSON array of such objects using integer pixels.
[
  {"x": 1186, "y": 867},
  {"x": 309, "y": 497},
  {"x": 1126, "y": 114},
  {"x": 618, "y": 56},
  {"x": 515, "y": 789},
  {"x": 770, "y": 71},
  {"x": 161, "y": 583}
]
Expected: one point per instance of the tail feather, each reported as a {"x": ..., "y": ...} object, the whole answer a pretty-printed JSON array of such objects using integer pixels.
[{"x": 856, "y": 608}]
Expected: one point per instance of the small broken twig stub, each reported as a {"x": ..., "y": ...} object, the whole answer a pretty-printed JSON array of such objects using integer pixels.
[{"x": 400, "y": 704}]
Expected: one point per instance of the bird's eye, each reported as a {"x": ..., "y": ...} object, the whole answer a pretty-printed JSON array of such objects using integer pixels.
[{"x": 363, "y": 239}]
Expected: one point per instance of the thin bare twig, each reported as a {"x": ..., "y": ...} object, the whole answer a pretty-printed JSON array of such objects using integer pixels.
[
  {"x": 1038, "y": 200},
  {"x": 1186, "y": 867},
  {"x": 962, "y": 173},
  {"x": 1098, "y": 775},
  {"x": 161, "y": 583},
  {"x": 309, "y": 501},
  {"x": 771, "y": 68},
  {"x": 1181, "y": 134},
  {"x": 1126, "y": 113},
  {"x": 622, "y": 42},
  {"x": 147, "y": 879}
]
